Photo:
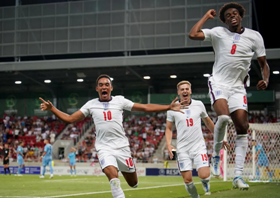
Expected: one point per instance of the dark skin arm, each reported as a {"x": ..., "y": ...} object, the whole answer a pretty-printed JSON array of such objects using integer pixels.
[
  {"x": 262, "y": 84},
  {"x": 196, "y": 33}
]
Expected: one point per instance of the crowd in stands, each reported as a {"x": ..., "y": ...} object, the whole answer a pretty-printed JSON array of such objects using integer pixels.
[
  {"x": 31, "y": 130},
  {"x": 143, "y": 132}
]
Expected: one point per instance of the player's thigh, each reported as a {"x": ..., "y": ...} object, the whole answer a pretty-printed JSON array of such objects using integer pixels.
[
  {"x": 185, "y": 166},
  {"x": 238, "y": 100},
  {"x": 218, "y": 96},
  {"x": 108, "y": 163},
  {"x": 201, "y": 161},
  {"x": 20, "y": 162}
]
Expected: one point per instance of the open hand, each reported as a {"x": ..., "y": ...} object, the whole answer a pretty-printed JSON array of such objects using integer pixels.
[
  {"x": 45, "y": 106},
  {"x": 225, "y": 145},
  {"x": 177, "y": 106}
]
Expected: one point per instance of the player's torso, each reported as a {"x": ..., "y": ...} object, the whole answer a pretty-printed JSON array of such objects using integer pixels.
[
  {"x": 48, "y": 149},
  {"x": 6, "y": 152},
  {"x": 233, "y": 54},
  {"x": 188, "y": 125},
  {"x": 72, "y": 156},
  {"x": 108, "y": 118},
  {"x": 19, "y": 149}
]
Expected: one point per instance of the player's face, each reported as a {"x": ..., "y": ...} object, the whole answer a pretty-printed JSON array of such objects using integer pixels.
[
  {"x": 185, "y": 92},
  {"x": 104, "y": 88},
  {"x": 6, "y": 146},
  {"x": 232, "y": 17}
]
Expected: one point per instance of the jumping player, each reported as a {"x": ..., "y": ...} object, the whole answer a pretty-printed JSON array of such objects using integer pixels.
[{"x": 234, "y": 48}]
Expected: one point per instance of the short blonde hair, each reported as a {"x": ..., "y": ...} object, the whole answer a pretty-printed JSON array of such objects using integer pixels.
[{"x": 182, "y": 83}]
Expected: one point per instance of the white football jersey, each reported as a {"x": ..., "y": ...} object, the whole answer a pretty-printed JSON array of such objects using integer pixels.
[
  {"x": 108, "y": 120},
  {"x": 188, "y": 125},
  {"x": 233, "y": 54}
]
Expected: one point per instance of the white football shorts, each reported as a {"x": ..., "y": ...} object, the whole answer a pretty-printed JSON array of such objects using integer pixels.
[
  {"x": 186, "y": 160},
  {"x": 119, "y": 158},
  {"x": 235, "y": 96}
]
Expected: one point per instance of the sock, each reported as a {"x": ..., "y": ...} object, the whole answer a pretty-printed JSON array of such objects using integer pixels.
[
  {"x": 190, "y": 187},
  {"x": 19, "y": 170},
  {"x": 51, "y": 170},
  {"x": 258, "y": 173},
  {"x": 270, "y": 174},
  {"x": 9, "y": 170},
  {"x": 44, "y": 170},
  {"x": 219, "y": 133},
  {"x": 241, "y": 145},
  {"x": 71, "y": 171},
  {"x": 116, "y": 189},
  {"x": 205, "y": 182},
  {"x": 75, "y": 171},
  {"x": 5, "y": 170}
]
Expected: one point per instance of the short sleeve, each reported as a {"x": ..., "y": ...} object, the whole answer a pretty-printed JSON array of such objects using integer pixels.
[
  {"x": 85, "y": 109},
  {"x": 169, "y": 116},
  {"x": 127, "y": 104},
  {"x": 46, "y": 148},
  {"x": 203, "y": 113},
  {"x": 259, "y": 47},
  {"x": 207, "y": 34}
]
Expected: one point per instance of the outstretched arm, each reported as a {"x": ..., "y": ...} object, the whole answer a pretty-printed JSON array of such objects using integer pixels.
[
  {"x": 48, "y": 106},
  {"x": 168, "y": 138},
  {"x": 156, "y": 108},
  {"x": 196, "y": 33},
  {"x": 262, "y": 84}
]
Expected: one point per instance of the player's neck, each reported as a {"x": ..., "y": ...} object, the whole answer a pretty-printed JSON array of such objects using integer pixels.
[
  {"x": 237, "y": 29},
  {"x": 105, "y": 100}
]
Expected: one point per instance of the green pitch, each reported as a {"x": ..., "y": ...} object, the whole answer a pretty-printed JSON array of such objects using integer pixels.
[{"x": 29, "y": 186}]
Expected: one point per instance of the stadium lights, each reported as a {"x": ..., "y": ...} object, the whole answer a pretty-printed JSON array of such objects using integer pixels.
[
  {"x": 147, "y": 77},
  {"x": 206, "y": 75},
  {"x": 173, "y": 76},
  {"x": 18, "y": 82},
  {"x": 47, "y": 81},
  {"x": 275, "y": 72},
  {"x": 80, "y": 80}
]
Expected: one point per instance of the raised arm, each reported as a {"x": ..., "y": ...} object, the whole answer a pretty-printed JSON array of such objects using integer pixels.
[
  {"x": 196, "y": 33},
  {"x": 156, "y": 108},
  {"x": 262, "y": 84},
  {"x": 48, "y": 106},
  {"x": 168, "y": 138}
]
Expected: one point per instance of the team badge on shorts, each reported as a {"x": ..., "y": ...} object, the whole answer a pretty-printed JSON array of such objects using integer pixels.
[
  {"x": 102, "y": 162},
  {"x": 181, "y": 164}
]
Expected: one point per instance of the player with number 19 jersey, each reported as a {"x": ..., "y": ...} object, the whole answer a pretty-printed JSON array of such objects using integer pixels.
[
  {"x": 189, "y": 134},
  {"x": 108, "y": 119}
]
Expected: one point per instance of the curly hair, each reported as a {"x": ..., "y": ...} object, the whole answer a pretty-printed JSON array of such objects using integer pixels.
[{"x": 239, "y": 7}]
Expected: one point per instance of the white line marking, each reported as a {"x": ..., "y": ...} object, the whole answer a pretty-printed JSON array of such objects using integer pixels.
[{"x": 129, "y": 189}]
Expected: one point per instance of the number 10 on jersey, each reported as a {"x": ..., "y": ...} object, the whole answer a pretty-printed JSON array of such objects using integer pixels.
[{"x": 107, "y": 115}]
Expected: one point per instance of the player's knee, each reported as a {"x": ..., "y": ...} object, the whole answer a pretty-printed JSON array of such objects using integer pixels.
[
  {"x": 224, "y": 118},
  {"x": 134, "y": 184},
  {"x": 242, "y": 128}
]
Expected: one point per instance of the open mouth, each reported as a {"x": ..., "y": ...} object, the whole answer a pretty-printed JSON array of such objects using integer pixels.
[
  {"x": 233, "y": 21},
  {"x": 185, "y": 95},
  {"x": 104, "y": 93}
]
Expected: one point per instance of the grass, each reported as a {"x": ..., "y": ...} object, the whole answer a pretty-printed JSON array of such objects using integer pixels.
[{"x": 30, "y": 186}]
